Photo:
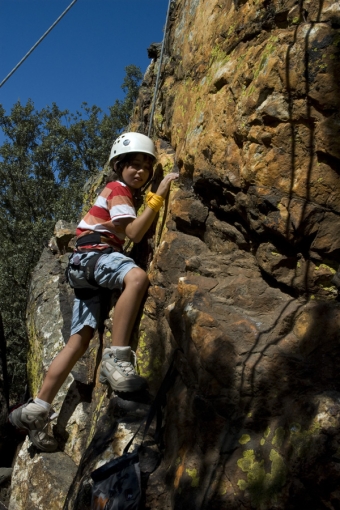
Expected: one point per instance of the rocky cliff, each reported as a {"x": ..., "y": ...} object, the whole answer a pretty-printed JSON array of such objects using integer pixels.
[{"x": 241, "y": 266}]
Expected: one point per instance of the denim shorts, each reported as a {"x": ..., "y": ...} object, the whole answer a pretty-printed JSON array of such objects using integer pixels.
[{"x": 109, "y": 273}]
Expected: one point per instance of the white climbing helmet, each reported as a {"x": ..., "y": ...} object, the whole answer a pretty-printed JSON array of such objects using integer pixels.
[{"x": 132, "y": 142}]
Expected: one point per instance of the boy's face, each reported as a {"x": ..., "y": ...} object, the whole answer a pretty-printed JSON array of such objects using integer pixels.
[{"x": 137, "y": 171}]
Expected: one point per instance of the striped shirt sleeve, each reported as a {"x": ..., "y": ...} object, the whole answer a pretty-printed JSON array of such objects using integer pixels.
[{"x": 119, "y": 201}]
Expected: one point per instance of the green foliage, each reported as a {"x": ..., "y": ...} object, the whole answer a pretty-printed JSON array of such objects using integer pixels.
[{"x": 46, "y": 159}]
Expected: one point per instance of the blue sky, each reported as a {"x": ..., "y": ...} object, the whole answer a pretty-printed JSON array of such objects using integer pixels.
[{"x": 83, "y": 58}]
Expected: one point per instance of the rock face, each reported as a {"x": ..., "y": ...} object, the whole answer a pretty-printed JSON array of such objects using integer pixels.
[
  {"x": 48, "y": 482},
  {"x": 241, "y": 265}
]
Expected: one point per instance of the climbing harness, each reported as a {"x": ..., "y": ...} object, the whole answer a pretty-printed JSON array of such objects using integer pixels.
[
  {"x": 94, "y": 238},
  {"x": 95, "y": 291},
  {"x": 89, "y": 267},
  {"x": 159, "y": 71},
  {"x": 37, "y": 43}
]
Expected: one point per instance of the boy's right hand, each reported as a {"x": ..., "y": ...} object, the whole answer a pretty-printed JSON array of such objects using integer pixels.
[{"x": 163, "y": 188}]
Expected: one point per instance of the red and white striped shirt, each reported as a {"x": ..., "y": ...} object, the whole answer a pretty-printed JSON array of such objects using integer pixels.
[{"x": 114, "y": 203}]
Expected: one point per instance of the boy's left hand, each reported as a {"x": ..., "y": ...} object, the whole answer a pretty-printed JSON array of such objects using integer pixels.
[{"x": 165, "y": 184}]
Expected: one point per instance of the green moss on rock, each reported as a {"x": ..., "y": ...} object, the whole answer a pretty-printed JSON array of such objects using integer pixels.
[{"x": 263, "y": 487}]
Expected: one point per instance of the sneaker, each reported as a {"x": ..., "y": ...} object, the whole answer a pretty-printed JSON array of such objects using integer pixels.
[
  {"x": 35, "y": 419},
  {"x": 29, "y": 416},
  {"x": 119, "y": 372},
  {"x": 43, "y": 441}
]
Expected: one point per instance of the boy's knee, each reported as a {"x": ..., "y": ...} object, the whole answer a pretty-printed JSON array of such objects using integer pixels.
[
  {"x": 80, "y": 341},
  {"x": 136, "y": 276}
]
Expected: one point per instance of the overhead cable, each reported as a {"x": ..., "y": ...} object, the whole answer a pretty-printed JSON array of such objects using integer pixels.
[
  {"x": 159, "y": 72},
  {"x": 37, "y": 43}
]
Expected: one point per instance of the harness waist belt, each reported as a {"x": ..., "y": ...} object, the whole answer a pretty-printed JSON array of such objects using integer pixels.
[{"x": 96, "y": 238}]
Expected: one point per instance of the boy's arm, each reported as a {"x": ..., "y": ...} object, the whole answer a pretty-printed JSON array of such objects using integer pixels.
[{"x": 137, "y": 227}]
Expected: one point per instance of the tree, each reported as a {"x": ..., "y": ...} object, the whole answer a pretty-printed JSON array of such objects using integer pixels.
[{"x": 44, "y": 163}]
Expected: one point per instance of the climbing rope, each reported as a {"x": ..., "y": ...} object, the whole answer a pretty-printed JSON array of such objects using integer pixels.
[
  {"x": 37, "y": 43},
  {"x": 159, "y": 72}
]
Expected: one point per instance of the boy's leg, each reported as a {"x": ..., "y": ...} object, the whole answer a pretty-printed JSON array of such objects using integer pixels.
[
  {"x": 136, "y": 283},
  {"x": 34, "y": 416},
  {"x": 117, "y": 368},
  {"x": 63, "y": 363}
]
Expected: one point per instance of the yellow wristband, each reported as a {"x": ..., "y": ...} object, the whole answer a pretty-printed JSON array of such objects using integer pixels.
[{"x": 154, "y": 201}]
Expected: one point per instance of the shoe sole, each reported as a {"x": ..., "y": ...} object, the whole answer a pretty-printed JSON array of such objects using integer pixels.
[
  {"x": 19, "y": 425},
  {"x": 40, "y": 447},
  {"x": 125, "y": 388}
]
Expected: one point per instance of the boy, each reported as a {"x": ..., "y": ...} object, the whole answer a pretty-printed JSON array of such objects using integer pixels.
[{"x": 101, "y": 234}]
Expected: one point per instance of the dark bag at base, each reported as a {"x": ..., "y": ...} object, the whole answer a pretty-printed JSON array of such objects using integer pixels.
[{"x": 117, "y": 484}]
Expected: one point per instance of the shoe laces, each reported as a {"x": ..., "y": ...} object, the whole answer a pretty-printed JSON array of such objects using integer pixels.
[
  {"x": 43, "y": 433},
  {"x": 128, "y": 367},
  {"x": 52, "y": 415}
]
